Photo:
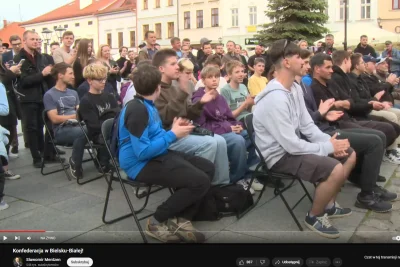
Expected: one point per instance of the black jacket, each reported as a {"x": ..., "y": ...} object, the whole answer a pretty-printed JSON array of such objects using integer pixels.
[
  {"x": 358, "y": 107},
  {"x": 375, "y": 86},
  {"x": 32, "y": 84},
  {"x": 8, "y": 78},
  {"x": 361, "y": 87},
  {"x": 369, "y": 50}
]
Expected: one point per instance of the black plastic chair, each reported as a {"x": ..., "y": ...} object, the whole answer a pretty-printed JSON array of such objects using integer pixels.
[
  {"x": 65, "y": 166},
  {"x": 106, "y": 132},
  {"x": 261, "y": 170}
]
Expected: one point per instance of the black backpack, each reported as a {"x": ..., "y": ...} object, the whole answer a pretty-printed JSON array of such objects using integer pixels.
[{"x": 223, "y": 201}]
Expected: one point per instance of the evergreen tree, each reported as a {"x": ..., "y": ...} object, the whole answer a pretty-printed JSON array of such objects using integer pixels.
[{"x": 294, "y": 20}]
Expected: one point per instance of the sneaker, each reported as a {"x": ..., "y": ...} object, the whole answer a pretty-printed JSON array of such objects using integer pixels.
[
  {"x": 338, "y": 212},
  {"x": 373, "y": 202},
  {"x": 104, "y": 169},
  {"x": 185, "y": 230},
  {"x": 37, "y": 163},
  {"x": 256, "y": 185},
  {"x": 11, "y": 176},
  {"x": 391, "y": 157},
  {"x": 381, "y": 179},
  {"x": 77, "y": 173},
  {"x": 322, "y": 226},
  {"x": 3, "y": 205},
  {"x": 13, "y": 152},
  {"x": 161, "y": 232},
  {"x": 385, "y": 195},
  {"x": 60, "y": 152},
  {"x": 245, "y": 186}
]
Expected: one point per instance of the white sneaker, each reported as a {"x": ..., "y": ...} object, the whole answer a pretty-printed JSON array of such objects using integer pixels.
[
  {"x": 256, "y": 185},
  {"x": 13, "y": 156},
  {"x": 391, "y": 157},
  {"x": 9, "y": 175},
  {"x": 245, "y": 186},
  {"x": 3, "y": 205}
]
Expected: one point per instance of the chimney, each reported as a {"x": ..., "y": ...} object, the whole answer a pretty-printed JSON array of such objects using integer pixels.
[
  {"x": 4, "y": 23},
  {"x": 84, "y": 3}
]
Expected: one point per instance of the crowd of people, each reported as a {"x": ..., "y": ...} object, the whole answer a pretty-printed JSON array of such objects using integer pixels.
[{"x": 323, "y": 115}]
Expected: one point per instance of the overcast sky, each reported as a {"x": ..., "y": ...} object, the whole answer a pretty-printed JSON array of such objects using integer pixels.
[{"x": 22, "y": 10}]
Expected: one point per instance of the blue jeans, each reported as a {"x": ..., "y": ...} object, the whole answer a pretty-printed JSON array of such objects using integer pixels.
[
  {"x": 68, "y": 135},
  {"x": 212, "y": 148},
  {"x": 240, "y": 162}
]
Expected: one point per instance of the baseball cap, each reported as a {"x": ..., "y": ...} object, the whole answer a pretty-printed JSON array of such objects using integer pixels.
[
  {"x": 369, "y": 59},
  {"x": 380, "y": 60},
  {"x": 388, "y": 42},
  {"x": 204, "y": 40}
]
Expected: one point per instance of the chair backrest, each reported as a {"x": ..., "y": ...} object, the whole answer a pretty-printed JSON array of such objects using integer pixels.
[
  {"x": 106, "y": 129},
  {"x": 248, "y": 121}
]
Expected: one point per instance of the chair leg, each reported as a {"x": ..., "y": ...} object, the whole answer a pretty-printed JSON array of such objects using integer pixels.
[
  {"x": 145, "y": 193},
  {"x": 289, "y": 209},
  {"x": 306, "y": 191},
  {"x": 94, "y": 159},
  {"x": 64, "y": 166}
]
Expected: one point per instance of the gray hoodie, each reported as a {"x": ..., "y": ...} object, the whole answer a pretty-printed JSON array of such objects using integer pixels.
[{"x": 279, "y": 117}]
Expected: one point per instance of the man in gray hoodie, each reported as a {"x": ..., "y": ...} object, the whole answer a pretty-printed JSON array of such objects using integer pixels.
[{"x": 280, "y": 119}]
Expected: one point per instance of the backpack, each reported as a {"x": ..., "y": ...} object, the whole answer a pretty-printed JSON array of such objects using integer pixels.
[{"x": 223, "y": 201}]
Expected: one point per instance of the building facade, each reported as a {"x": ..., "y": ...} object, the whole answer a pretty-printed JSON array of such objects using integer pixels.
[
  {"x": 160, "y": 16},
  {"x": 389, "y": 14}
]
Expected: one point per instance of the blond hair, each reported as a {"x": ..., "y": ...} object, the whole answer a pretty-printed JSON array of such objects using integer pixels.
[
  {"x": 231, "y": 65},
  {"x": 99, "y": 52},
  {"x": 210, "y": 71},
  {"x": 185, "y": 64},
  {"x": 95, "y": 72}
]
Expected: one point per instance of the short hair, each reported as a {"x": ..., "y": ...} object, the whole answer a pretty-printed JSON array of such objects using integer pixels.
[
  {"x": 162, "y": 55},
  {"x": 210, "y": 71},
  {"x": 68, "y": 33},
  {"x": 6, "y": 45},
  {"x": 14, "y": 38},
  {"x": 146, "y": 35},
  {"x": 219, "y": 45},
  {"x": 95, "y": 72},
  {"x": 186, "y": 40},
  {"x": 185, "y": 64},
  {"x": 213, "y": 60},
  {"x": 259, "y": 60},
  {"x": 122, "y": 47},
  {"x": 363, "y": 36},
  {"x": 59, "y": 68},
  {"x": 146, "y": 79},
  {"x": 231, "y": 65},
  {"x": 230, "y": 41},
  {"x": 282, "y": 48},
  {"x": 239, "y": 46},
  {"x": 339, "y": 56},
  {"x": 204, "y": 44},
  {"x": 304, "y": 53},
  {"x": 28, "y": 32},
  {"x": 319, "y": 59},
  {"x": 355, "y": 59},
  {"x": 329, "y": 35},
  {"x": 54, "y": 43},
  {"x": 175, "y": 39}
]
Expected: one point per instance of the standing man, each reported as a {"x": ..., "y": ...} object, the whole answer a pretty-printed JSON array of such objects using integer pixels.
[
  {"x": 176, "y": 46},
  {"x": 364, "y": 48},
  {"x": 231, "y": 55},
  {"x": 65, "y": 53},
  {"x": 16, "y": 44},
  {"x": 258, "y": 53},
  {"x": 329, "y": 42},
  {"x": 149, "y": 50},
  {"x": 53, "y": 47},
  {"x": 123, "y": 63},
  {"x": 393, "y": 56}
]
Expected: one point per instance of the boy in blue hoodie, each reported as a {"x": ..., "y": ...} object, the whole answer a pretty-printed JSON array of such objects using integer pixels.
[
  {"x": 145, "y": 157},
  {"x": 218, "y": 117}
]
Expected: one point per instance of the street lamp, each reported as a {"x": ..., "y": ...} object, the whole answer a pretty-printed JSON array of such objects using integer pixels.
[
  {"x": 379, "y": 20},
  {"x": 345, "y": 25},
  {"x": 46, "y": 35},
  {"x": 60, "y": 30}
]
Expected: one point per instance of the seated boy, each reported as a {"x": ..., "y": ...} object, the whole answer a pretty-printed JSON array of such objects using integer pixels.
[
  {"x": 257, "y": 82},
  {"x": 235, "y": 92},
  {"x": 96, "y": 107},
  {"x": 217, "y": 117},
  {"x": 61, "y": 104},
  {"x": 213, "y": 60},
  {"x": 145, "y": 157}
]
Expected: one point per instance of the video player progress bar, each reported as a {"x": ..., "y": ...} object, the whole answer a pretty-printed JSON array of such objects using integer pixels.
[{"x": 25, "y": 231}]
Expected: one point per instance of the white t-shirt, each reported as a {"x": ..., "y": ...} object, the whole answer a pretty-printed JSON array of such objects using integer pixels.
[
  {"x": 222, "y": 83},
  {"x": 130, "y": 93}
]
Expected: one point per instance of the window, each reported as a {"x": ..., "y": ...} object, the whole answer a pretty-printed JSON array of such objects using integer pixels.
[
  {"x": 170, "y": 2},
  {"x": 171, "y": 29},
  {"x": 214, "y": 17},
  {"x": 90, "y": 22},
  {"x": 145, "y": 4},
  {"x": 365, "y": 9},
  {"x": 145, "y": 29},
  {"x": 109, "y": 40},
  {"x": 120, "y": 39},
  {"x": 158, "y": 30},
  {"x": 199, "y": 18},
  {"x": 235, "y": 17},
  {"x": 132, "y": 39},
  {"x": 186, "y": 19},
  {"x": 342, "y": 10},
  {"x": 396, "y": 4},
  {"x": 76, "y": 24},
  {"x": 157, "y": 3},
  {"x": 66, "y": 26},
  {"x": 253, "y": 15}
]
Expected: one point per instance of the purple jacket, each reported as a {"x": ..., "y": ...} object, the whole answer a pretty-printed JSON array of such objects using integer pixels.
[{"x": 216, "y": 115}]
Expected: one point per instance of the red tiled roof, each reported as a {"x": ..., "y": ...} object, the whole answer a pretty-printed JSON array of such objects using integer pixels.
[
  {"x": 71, "y": 10},
  {"x": 11, "y": 29},
  {"x": 119, "y": 5}
]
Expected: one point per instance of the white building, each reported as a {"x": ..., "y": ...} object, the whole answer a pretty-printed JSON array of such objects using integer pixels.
[{"x": 160, "y": 16}]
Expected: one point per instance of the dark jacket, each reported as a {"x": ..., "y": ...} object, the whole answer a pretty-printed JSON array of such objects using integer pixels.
[
  {"x": 7, "y": 57},
  {"x": 369, "y": 50},
  {"x": 358, "y": 107},
  {"x": 375, "y": 86},
  {"x": 361, "y": 87},
  {"x": 8, "y": 78},
  {"x": 32, "y": 84}
]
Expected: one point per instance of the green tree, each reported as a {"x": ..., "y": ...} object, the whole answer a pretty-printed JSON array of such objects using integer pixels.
[{"x": 294, "y": 20}]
